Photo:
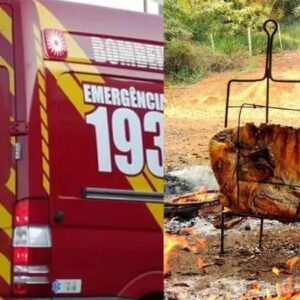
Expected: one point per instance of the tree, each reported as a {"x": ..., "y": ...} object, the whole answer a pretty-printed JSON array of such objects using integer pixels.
[{"x": 176, "y": 21}]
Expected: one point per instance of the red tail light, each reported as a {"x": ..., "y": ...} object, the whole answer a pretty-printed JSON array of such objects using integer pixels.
[
  {"x": 31, "y": 249},
  {"x": 22, "y": 213},
  {"x": 31, "y": 212}
]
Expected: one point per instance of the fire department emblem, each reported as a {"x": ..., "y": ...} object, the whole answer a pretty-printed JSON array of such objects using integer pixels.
[{"x": 55, "y": 44}]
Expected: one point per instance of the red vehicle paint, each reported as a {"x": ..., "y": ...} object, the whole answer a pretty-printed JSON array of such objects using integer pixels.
[{"x": 81, "y": 137}]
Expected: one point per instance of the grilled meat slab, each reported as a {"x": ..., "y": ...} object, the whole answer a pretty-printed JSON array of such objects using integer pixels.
[{"x": 268, "y": 168}]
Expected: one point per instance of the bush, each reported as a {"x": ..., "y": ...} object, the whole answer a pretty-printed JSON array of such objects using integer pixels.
[
  {"x": 186, "y": 62},
  {"x": 186, "y": 55}
]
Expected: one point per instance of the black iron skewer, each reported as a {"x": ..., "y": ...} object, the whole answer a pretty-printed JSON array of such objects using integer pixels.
[{"x": 268, "y": 76}]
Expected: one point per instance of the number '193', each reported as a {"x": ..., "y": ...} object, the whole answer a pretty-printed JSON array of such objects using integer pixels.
[{"x": 127, "y": 133}]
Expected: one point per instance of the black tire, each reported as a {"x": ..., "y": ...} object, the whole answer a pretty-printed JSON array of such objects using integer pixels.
[{"x": 154, "y": 296}]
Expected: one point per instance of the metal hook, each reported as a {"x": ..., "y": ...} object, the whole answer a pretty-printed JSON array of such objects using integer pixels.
[
  {"x": 270, "y": 35},
  {"x": 265, "y": 26}
]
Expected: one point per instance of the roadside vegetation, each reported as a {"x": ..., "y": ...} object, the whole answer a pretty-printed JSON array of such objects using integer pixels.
[{"x": 205, "y": 36}]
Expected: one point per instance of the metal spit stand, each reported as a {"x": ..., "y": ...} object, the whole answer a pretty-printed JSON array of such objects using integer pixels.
[{"x": 267, "y": 77}]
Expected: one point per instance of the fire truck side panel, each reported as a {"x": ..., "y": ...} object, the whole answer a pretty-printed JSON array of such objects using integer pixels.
[{"x": 105, "y": 219}]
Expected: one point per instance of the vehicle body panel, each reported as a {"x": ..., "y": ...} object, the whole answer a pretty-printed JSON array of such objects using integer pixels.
[{"x": 114, "y": 246}]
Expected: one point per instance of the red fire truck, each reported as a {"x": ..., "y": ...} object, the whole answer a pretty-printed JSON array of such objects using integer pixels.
[{"x": 81, "y": 145}]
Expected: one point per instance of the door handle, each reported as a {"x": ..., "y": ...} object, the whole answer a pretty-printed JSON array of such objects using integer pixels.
[{"x": 59, "y": 216}]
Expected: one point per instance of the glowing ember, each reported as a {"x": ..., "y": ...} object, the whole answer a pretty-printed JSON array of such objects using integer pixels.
[
  {"x": 276, "y": 271},
  {"x": 201, "y": 196},
  {"x": 255, "y": 286}
]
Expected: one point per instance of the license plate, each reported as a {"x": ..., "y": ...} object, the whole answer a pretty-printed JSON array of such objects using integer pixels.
[{"x": 67, "y": 286}]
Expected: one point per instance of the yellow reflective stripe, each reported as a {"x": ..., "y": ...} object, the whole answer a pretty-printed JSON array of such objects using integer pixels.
[
  {"x": 43, "y": 110},
  {"x": 5, "y": 221},
  {"x": 6, "y": 25},
  {"x": 157, "y": 210},
  {"x": 41, "y": 82},
  {"x": 45, "y": 134},
  {"x": 11, "y": 183},
  {"x": 44, "y": 116},
  {"x": 90, "y": 69},
  {"x": 46, "y": 184},
  {"x": 139, "y": 183},
  {"x": 5, "y": 267},
  {"x": 158, "y": 183},
  {"x": 11, "y": 74},
  {"x": 45, "y": 149},
  {"x": 89, "y": 78},
  {"x": 46, "y": 167},
  {"x": 42, "y": 98}
]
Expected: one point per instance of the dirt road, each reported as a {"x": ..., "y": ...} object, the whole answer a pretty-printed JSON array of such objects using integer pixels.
[{"x": 195, "y": 113}]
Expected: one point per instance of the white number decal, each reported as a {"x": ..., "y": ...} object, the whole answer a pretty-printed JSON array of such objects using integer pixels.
[
  {"x": 100, "y": 120},
  {"x": 153, "y": 123},
  {"x": 128, "y": 139},
  {"x": 127, "y": 136}
]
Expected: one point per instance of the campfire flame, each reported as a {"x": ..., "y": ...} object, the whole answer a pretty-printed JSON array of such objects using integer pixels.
[
  {"x": 170, "y": 242},
  {"x": 173, "y": 241},
  {"x": 200, "y": 196}
]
